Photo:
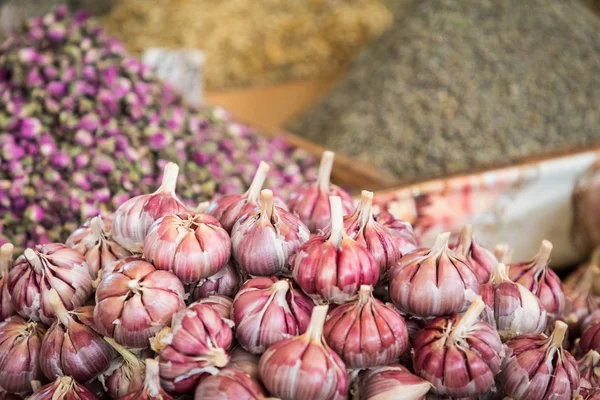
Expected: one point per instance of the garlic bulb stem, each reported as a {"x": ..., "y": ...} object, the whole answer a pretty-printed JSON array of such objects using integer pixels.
[
  {"x": 59, "y": 308},
  {"x": 558, "y": 334},
  {"x": 466, "y": 238},
  {"x": 35, "y": 261},
  {"x": 591, "y": 274},
  {"x": 126, "y": 354},
  {"x": 592, "y": 357},
  {"x": 337, "y": 220},
  {"x": 257, "y": 182},
  {"x": 364, "y": 294},
  {"x": 169, "y": 180},
  {"x": 500, "y": 274},
  {"x": 6, "y": 257},
  {"x": 441, "y": 243},
  {"x": 97, "y": 227},
  {"x": 503, "y": 253},
  {"x": 468, "y": 318},
  {"x": 266, "y": 205},
  {"x": 152, "y": 379},
  {"x": 543, "y": 256},
  {"x": 317, "y": 321},
  {"x": 324, "y": 174},
  {"x": 366, "y": 205}
]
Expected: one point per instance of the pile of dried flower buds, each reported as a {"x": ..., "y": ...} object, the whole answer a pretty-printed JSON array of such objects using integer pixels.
[
  {"x": 241, "y": 299},
  {"x": 84, "y": 126}
]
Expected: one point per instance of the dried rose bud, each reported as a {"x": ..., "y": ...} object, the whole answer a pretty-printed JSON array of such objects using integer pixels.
[
  {"x": 332, "y": 267},
  {"x": 305, "y": 367},
  {"x": 391, "y": 382},
  {"x": 63, "y": 388},
  {"x": 133, "y": 219},
  {"x": 365, "y": 332},
  {"x": 45, "y": 267},
  {"x": 536, "y": 276},
  {"x": 311, "y": 201},
  {"x": 432, "y": 282},
  {"x": 226, "y": 282},
  {"x": 221, "y": 304},
  {"x": 481, "y": 259},
  {"x": 403, "y": 233},
  {"x": 20, "y": 343},
  {"x": 245, "y": 361},
  {"x": 580, "y": 301},
  {"x": 589, "y": 370},
  {"x": 135, "y": 302},
  {"x": 263, "y": 240},
  {"x": 196, "y": 345},
  {"x": 152, "y": 389},
  {"x": 269, "y": 310},
  {"x": 72, "y": 348},
  {"x": 192, "y": 246},
  {"x": 7, "y": 308},
  {"x": 94, "y": 242},
  {"x": 590, "y": 338},
  {"x": 459, "y": 355},
  {"x": 230, "y": 384},
  {"x": 511, "y": 307},
  {"x": 536, "y": 367},
  {"x": 126, "y": 376}
]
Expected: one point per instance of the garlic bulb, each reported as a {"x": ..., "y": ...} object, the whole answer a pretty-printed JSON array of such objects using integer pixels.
[
  {"x": 63, "y": 388},
  {"x": 127, "y": 376},
  {"x": 432, "y": 282},
  {"x": 536, "y": 367},
  {"x": 72, "y": 348},
  {"x": 391, "y": 382},
  {"x": 133, "y": 219},
  {"x": 151, "y": 389},
  {"x": 196, "y": 345},
  {"x": 229, "y": 384},
  {"x": 135, "y": 302},
  {"x": 228, "y": 209},
  {"x": 481, "y": 259},
  {"x": 245, "y": 361},
  {"x": 511, "y": 307},
  {"x": 305, "y": 367},
  {"x": 45, "y": 267},
  {"x": 589, "y": 370},
  {"x": 226, "y": 282},
  {"x": 311, "y": 201},
  {"x": 192, "y": 246},
  {"x": 365, "y": 332},
  {"x": 221, "y": 304},
  {"x": 264, "y": 239},
  {"x": 536, "y": 276},
  {"x": 332, "y": 267},
  {"x": 7, "y": 308},
  {"x": 403, "y": 233},
  {"x": 459, "y": 355},
  {"x": 580, "y": 301},
  {"x": 20, "y": 343},
  {"x": 94, "y": 242},
  {"x": 269, "y": 310}
]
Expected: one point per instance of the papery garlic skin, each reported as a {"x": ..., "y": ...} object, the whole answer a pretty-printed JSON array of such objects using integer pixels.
[
  {"x": 245, "y": 361},
  {"x": 93, "y": 240},
  {"x": 481, "y": 259},
  {"x": 127, "y": 376},
  {"x": 536, "y": 367},
  {"x": 45, "y": 267},
  {"x": 588, "y": 394},
  {"x": 229, "y": 384},
  {"x": 459, "y": 355},
  {"x": 152, "y": 389},
  {"x": 221, "y": 304},
  {"x": 392, "y": 381},
  {"x": 311, "y": 201},
  {"x": 589, "y": 370},
  {"x": 63, "y": 388},
  {"x": 7, "y": 307},
  {"x": 226, "y": 282},
  {"x": 135, "y": 302},
  {"x": 72, "y": 348},
  {"x": 197, "y": 345},
  {"x": 20, "y": 343},
  {"x": 263, "y": 241},
  {"x": 432, "y": 282},
  {"x": 332, "y": 267},
  {"x": 192, "y": 246},
  {"x": 590, "y": 338},
  {"x": 537, "y": 276},
  {"x": 133, "y": 219},
  {"x": 366, "y": 332},
  {"x": 304, "y": 367},
  {"x": 269, "y": 310}
]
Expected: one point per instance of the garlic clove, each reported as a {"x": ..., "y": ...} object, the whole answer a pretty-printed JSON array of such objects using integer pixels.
[
  {"x": 64, "y": 387},
  {"x": 229, "y": 384},
  {"x": 391, "y": 382},
  {"x": 7, "y": 307},
  {"x": 226, "y": 282},
  {"x": 590, "y": 338},
  {"x": 221, "y": 304},
  {"x": 481, "y": 259},
  {"x": 245, "y": 361},
  {"x": 152, "y": 389},
  {"x": 580, "y": 301},
  {"x": 589, "y": 370},
  {"x": 127, "y": 375}
]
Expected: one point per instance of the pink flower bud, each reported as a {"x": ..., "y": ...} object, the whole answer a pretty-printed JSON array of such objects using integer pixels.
[
  {"x": 230, "y": 384},
  {"x": 391, "y": 382},
  {"x": 7, "y": 308},
  {"x": 481, "y": 259},
  {"x": 269, "y": 310},
  {"x": 225, "y": 282}
]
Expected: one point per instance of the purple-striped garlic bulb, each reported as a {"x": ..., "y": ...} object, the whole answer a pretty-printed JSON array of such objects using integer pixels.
[
  {"x": 135, "y": 302},
  {"x": 365, "y": 332},
  {"x": 433, "y": 282},
  {"x": 63, "y": 388},
  {"x": 20, "y": 343},
  {"x": 481, "y": 259},
  {"x": 332, "y": 267},
  {"x": 536, "y": 367},
  {"x": 151, "y": 390},
  {"x": 510, "y": 306},
  {"x": 72, "y": 348},
  {"x": 46, "y": 267},
  {"x": 192, "y": 246},
  {"x": 128, "y": 374},
  {"x": 459, "y": 355},
  {"x": 311, "y": 201},
  {"x": 304, "y": 367},
  {"x": 263, "y": 240},
  {"x": 93, "y": 240},
  {"x": 589, "y": 370},
  {"x": 7, "y": 308},
  {"x": 580, "y": 300},
  {"x": 196, "y": 345},
  {"x": 245, "y": 361},
  {"x": 392, "y": 381},
  {"x": 269, "y": 310},
  {"x": 133, "y": 219},
  {"x": 403, "y": 232},
  {"x": 537, "y": 276},
  {"x": 221, "y": 304},
  {"x": 226, "y": 282},
  {"x": 230, "y": 384}
]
